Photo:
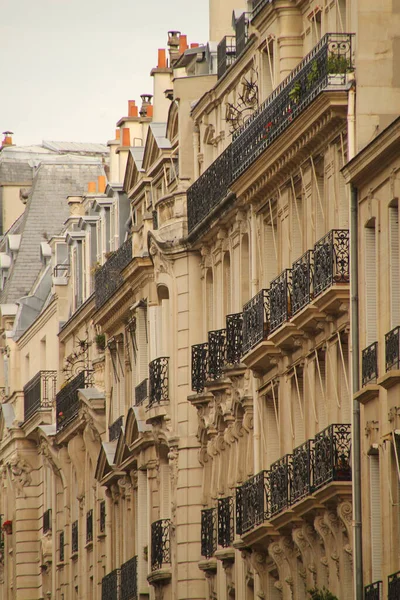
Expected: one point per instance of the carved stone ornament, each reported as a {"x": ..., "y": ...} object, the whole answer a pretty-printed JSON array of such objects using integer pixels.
[{"x": 20, "y": 472}]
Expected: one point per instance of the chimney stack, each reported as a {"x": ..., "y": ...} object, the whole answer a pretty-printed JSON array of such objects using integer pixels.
[
  {"x": 132, "y": 108},
  {"x": 7, "y": 141},
  {"x": 91, "y": 188},
  {"x": 183, "y": 43},
  {"x": 173, "y": 44},
  {"x": 117, "y": 134},
  {"x": 101, "y": 184},
  {"x": 146, "y": 104},
  {"x": 162, "y": 59},
  {"x": 126, "y": 138}
]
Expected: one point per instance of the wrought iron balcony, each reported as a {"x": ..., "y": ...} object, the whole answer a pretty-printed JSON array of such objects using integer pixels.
[
  {"x": 226, "y": 525},
  {"x": 255, "y": 320},
  {"x": 258, "y": 6},
  {"x": 234, "y": 338},
  {"x": 254, "y": 502},
  {"x": 115, "y": 429},
  {"x": 160, "y": 544},
  {"x": 89, "y": 526},
  {"x": 394, "y": 586},
  {"x": 216, "y": 353},
  {"x": 129, "y": 588},
  {"x": 108, "y": 278},
  {"x": 208, "y": 532},
  {"x": 199, "y": 367},
  {"x": 141, "y": 392},
  {"x": 326, "y": 65},
  {"x": 280, "y": 300},
  {"x": 39, "y": 393},
  {"x": 373, "y": 591},
  {"x": 302, "y": 469},
  {"x": 278, "y": 485},
  {"x": 392, "y": 349},
  {"x": 67, "y": 400},
  {"x": 61, "y": 546},
  {"x": 209, "y": 189},
  {"x": 226, "y": 54},
  {"x": 242, "y": 26},
  {"x": 110, "y": 585},
  {"x": 47, "y": 520},
  {"x": 369, "y": 364},
  {"x": 302, "y": 277},
  {"x": 75, "y": 538},
  {"x": 331, "y": 260},
  {"x": 332, "y": 455},
  {"x": 158, "y": 381}
]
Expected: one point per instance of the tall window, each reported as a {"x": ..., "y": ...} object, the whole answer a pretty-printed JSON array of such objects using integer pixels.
[
  {"x": 375, "y": 517},
  {"x": 394, "y": 267},
  {"x": 268, "y": 70},
  {"x": 296, "y": 222},
  {"x": 209, "y": 299},
  {"x": 270, "y": 262},
  {"x": 270, "y": 425},
  {"x": 370, "y": 282},
  {"x": 245, "y": 270},
  {"x": 227, "y": 284},
  {"x": 297, "y": 407}
]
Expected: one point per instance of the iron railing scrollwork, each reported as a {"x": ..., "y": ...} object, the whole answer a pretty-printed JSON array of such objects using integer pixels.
[
  {"x": 394, "y": 586},
  {"x": 115, "y": 429},
  {"x": 392, "y": 349},
  {"x": 47, "y": 520},
  {"x": 226, "y": 54},
  {"x": 226, "y": 525},
  {"x": 331, "y": 260},
  {"x": 141, "y": 392},
  {"x": 74, "y": 538},
  {"x": 234, "y": 338},
  {"x": 254, "y": 502},
  {"x": 239, "y": 510},
  {"x": 255, "y": 320},
  {"x": 216, "y": 353},
  {"x": 302, "y": 276},
  {"x": 67, "y": 400},
  {"x": 373, "y": 591},
  {"x": 102, "y": 524},
  {"x": 39, "y": 393},
  {"x": 208, "y": 532},
  {"x": 160, "y": 544},
  {"x": 199, "y": 367},
  {"x": 301, "y": 472},
  {"x": 369, "y": 364},
  {"x": 129, "y": 587},
  {"x": 110, "y": 585},
  {"x": 332, "y": 455},
  {"x": 158, "y": 381},
  {"x": 89, "y": 526},
  {"x": 108, "y": 278},
  {"x": 278, "y": 485},
  {"x": 280, "y": 300}
]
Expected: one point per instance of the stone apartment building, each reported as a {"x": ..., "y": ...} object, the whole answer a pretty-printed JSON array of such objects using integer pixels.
[{"x": 179, "y": 363}]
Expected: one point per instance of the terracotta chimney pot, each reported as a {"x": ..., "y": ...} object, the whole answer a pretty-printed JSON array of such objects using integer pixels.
[
  {"x": 194, "y": 45},
  {"x": 132, "y": 108},
  {"x": 126, "y": 137},
  {"x": 91, "y": 188},
  {"x": 162, "y": 59},
  {"x": 117, "y": 134},
  {"x": 101, "y": 184},
  {"x": 183, "y": 43},
  {"x": 149, "y": 111}
]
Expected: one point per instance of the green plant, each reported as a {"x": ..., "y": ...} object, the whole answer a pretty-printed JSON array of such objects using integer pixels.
[
  {"x": 313, "y": 74},
  {"x": 100, "y": 340},
  {"x": 338, "y": 63},
  {"x": 295, "y": 92},
  {"x": 95, "y": 267},
  {"x": 324, "y": 594}
]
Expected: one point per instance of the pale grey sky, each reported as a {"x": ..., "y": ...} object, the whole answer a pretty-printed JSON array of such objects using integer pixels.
[{"x": 69, "y": 67}]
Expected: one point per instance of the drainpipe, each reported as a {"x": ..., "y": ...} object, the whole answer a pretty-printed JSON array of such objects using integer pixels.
[
  {"x": 254, "y": 290},
  {"x": 355, "y": 363}
]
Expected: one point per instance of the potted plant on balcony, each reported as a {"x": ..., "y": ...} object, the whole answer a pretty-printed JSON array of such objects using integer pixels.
[
  {"x": 295, "y": 92},
  {"x": 100, "y": 340},
  {"x": 324, "y": 594},
  {"x": 338, "y": 65},
  {"x": 7, "y": 527},
  {"x": 313, "y": 75}
]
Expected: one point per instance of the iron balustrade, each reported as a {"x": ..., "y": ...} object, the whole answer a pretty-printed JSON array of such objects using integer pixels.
[
  {"x": 301, "y": 472},
  {"x": 279, "y": 300},
  {"x": 326, "y": 65},
  {"x": 239, "y": 510},
  {"x": 242, "y": 26},
  {"x": 47, "y": 520},
  {"x": 89, "y": 526},
  {"x": 199, "y": 367},
  {"x": 61, "y": 546},
  {"x": 226, "y": 54},
  {"x": 278, "y": 481},
  {"x": 209, "y": 189},
  {"x": 254, "y": 502},
  {"x": 394, "y": 586},
  {"x": 208, "y": 532},
  {"x": 115, "y": 429},
  {"x": 373, "y": 591},
  {"x": 216, "y": 353},
  {"x": 302, "y": 277},
  {"x": 255, "y": 320},
  {"x": 102, "y": 524},
  {"x": 108, "y": 278},
  {"x": 110, "y": 585},
  {"x": 369, "y": 364},
  {"x": 332, "y": 455},
  {"x": 67, "y": 399},
  {"x": 160, "y": 544},
  {"x": 226, "y": 522},
  {"x": 331, "y": 260},
  {"x": 258, "y": 6},
  {"x": 141, "y": 392},
  {"x": 234, "y": 338},
  {"x": 39, "y": 393},
  {"x": 392, "y": 349},
  {"x": 129, "y": 587},
  {"x": 75, "y": 538},
  {"x": 158, "y": 381}
]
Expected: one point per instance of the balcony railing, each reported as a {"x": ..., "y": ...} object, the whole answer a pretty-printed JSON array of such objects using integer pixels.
[
  {"x": 331, "y": 260},
  {"x": 255, "y": 320},
  {"x": 108, "y": 278},
  {"x": 242, "y": 26},
  {"x": 75, "y": 538},
  {"x": 312, "y": 465},
  {"x": 67, "y": 400},
  {"x": 129, "y": 588},
  {"x": 302, "y": 277},
  {"x": 102, "y": 524},
  {"x": 369, "y": 364},
  {"x": 226, "y": 525},
  {"x": 39, "y": 393},
  {"x": 89, "y": 526},
  {"x": 110, "y": 585},
  {"x": 208, "y": 532},
  {"x": 141, "y": 392},
  {"x": 331, "y": 56},
  {"x": 209, "y": 189},
  {"x": 61, "y": 270},
  {"x": 160, "y": 544},
  {"x": 234, "y": 338},
  {"x": 226, "y": 54},
  {"x": 394, "y": 586},
  {"x": 158, "y": 381},
  {"x": 373, "y": 591},
  {"x": 392, "y": 349},
  {"x": 47, "y": 520},
  {"x": 216, "y": 353},
  {"x": 279, "y": 300},
  {"x": 115, "y": 429},
  {"x": 258, "y": 5},
  {"x": 199, "y": 367}
]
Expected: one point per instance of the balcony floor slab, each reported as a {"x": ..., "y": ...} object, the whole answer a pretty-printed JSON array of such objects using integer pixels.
[
  {"x": 367, "y": 393},
  {"x": 260, "y": 357}
]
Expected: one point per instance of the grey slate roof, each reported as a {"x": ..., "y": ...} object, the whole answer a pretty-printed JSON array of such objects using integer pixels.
[
  {"x": 44, "y": 215},
  {"x": 86, "y": 148},
  {"x": 15, "y": 172},
  {"x": 137, "y": 155},
  {"x": 159, "y": 131}
]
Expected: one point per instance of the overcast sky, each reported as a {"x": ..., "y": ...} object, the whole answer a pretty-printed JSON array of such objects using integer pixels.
[{"x": 68, "y": 67}]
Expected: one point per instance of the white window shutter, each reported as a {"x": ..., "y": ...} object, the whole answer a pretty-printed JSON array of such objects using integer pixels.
[
  {"x": 370, "y": 285},
  {"x": 375, "y": 518},
  {"x": 394, "y": 266}
]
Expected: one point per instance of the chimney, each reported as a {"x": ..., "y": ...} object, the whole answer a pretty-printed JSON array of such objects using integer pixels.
[
  {"x": 183, "y": 43},
  {"x": 101, "y": 184},
  {"x": 149, "y": 112},
  {"x": 194, "y": 45},
  {"x": 173, "y": 44},
  {"x": 7, "y": 141},
  {"x": 91, "y": 188},
  {"x": 132, "y": 108},
  {"x": 146, "y": 102},
  {"x": 126, "y": 138},
  {"x": 117, "y": 134},
  {"x": 162, "y": 59}
]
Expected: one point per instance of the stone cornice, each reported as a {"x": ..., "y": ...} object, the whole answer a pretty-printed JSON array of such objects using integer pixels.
[{"x": 79, "y": 316}]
